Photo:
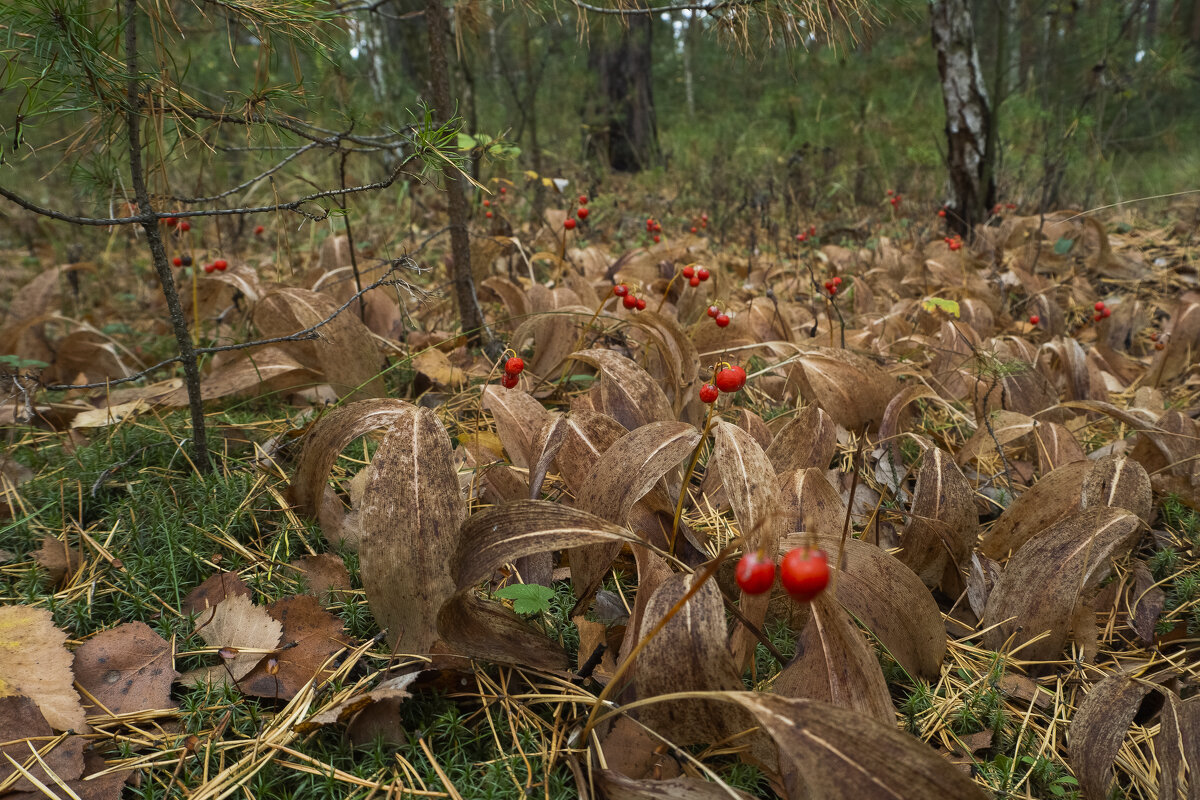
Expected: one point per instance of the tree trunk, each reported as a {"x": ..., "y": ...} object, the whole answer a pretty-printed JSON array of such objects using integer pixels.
[
  {"x": 627, "y": 138},
  {"x": 158, "y": 251},
  {"x": 469, "y": 312},
  {"x": 968, "y": 115}
]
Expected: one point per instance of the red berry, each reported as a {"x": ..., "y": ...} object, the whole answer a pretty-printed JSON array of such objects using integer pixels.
[
  {"x": 693, "y": 229},
  {"x": 891, "y": 192},
  {"x": 1097, "y": 318},
  {"x": 1010, "y": 206},
  {"x": 941, "y": 212},
  {"x": 1106, "y": 313},
  {"x": 804, "y": 573},
  {"x": 514, "y": 365},
  {"x": 837, "y": 280},
  {"x": 509, "y": 381},
  {"x": 583, "y": 199},
  {"x": 221, "y": 264},
  {"x": 620, "y": 290},
  {"x": 702, "y": 273},
  {"x": 629, "y": 301},
  {"x": 210, "y": 268},
  {"x": 656, "y": 239},
  {"x": 641, "y": 304},
  {"x": 258, "y": 231},
  {"x": 503, "y": 190},
  {"x": 487, "y": 203},
  {"x": 488, "y": 215},
  {"x": 713, "y": 311},
  {"x": 800, "y": 237},
  {"x": 708, "y": 393},
  {"x": 185, "y": 226},
  {"x": 657, "y": 228},
  {"x": 177, "y": 261},
  {"x": 812, "y": 230},
  {"x": 582, "y": 213},
  {"x": 1159, "y": 345},
  {"x": 1154, "y": 336},
  {"x": 704, "y": 217},
  {"x": 688, "y": 271},
  {"x": 694, "y": 281},
  {"x": 172, "y": 222},
  {"x": 1099, "y": 305},
  {"x": 755, "y": 574},
  {"x": 1034, "y": 320},
  {"x": 832, "y": 290},
  {"x": 895, "y": 201},
  {"x": 731, "y": 379},
  {"x": 569, "y": 223},
  {"x": 828, "y": 286},
  {"x": 722, "y": 320}
]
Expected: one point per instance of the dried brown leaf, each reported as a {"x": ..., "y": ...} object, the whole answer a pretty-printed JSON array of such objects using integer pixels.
[
  {"x": 126, "y": 669},
  {"x": 810, "y": 503},
  {"x": 310, "y": 636},
  {"x": 1098, "y": 728},
  {"x": 240, "y": 626},
  {"x": 411, "y": 512},
  {"x": 808, "y": 440},
  {"x": 22, "y": 725},
  {"x": 34, "y": 663},
  {"x": 1178, "y": 747},
  {"x": 58, "y": 558},
  {"x": 615, "y": 786},
  {"x": 1050, "y": 576},
  {"x": 1050, "y": 499},
  {"x": 214, "y": 590},
  {"x": 1118, "y": 482},
  {"x": 851, "y": 388},
  {"x": 631, "y": 396},
  {"x": 325, "y": 576},
  {"x": 939, "y": 537},
  {"x": 519, "y": 418}
]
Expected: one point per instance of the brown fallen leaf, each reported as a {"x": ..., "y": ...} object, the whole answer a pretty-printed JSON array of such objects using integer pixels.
[
  {"x": 1006, "y": 428},
  {"x": 851, "y": 388},
  {"x": 390, "y": 693},
  {"x": 835, "y": 663},
  {"x": 808, "y": 502},
  {"x": 615, "y": 786},
  {"x": 310, "y": 636},
  {"x": 58, "y": 558},
  {"x": 1055, "y": 446},
  {"x": 836, "y": 754},
  {"x": 1118, "y": 482},
  {"x": 1099, "y": 726},
  {"x": 519, "y": 418},
  {"x": 22, "y": 725},
  {"x": 1146, "y": 600},
  {"x": 411, "y": 512},
  {"x": 126, "y": 669},
  {"x": 34, "y": 663},
  {"x": 218, "y": 588},
  {"x": 1052, "y": 574},
  {"x": 632, "y": 397},
  {"x": 630, "y": 751},
  {"x": 1049, "y": 500},
  {"x": 268, "y": 369},
  {"x": 492, "y": 538},
  {"x": 324, "y": 576},
  {"x": 1178, "y": 746},
  {"x": 245, "y": 630},
  {"x": 809, "y": 439},
  {"x": 939, "y": 537}
]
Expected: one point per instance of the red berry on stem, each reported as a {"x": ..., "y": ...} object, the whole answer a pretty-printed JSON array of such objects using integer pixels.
[
  {"x": 258, "y": 231},
  {"x": 1107, "y": 312},
  {"x": 488, "y": 215},
  {"x": 891, "y": 192},
  {"x": 812, "y": 230},
  {"x": 1099, "y": 305},
  {"x": 582, "y": 213},
  {"x": 702, "y": 273},
  {"x": 731, "y": 379},
  {"x": 804, "y": 573},
  {"x": 569, "y": 223},
  {"x": 1159, "y": 345},
  {"x": 509, "y": 381},
  {"x": 656, "y": 239},
  {"x": 487, "y": 203},
  {"x": 629, "y": 301},
  {"x": 583, "y": 199},
  {"x": 693, "y": 229},
  {"x": 503, "y": 190},
  {"x": 210, "y": 268},
  {"x": 755, "y": 574},
  {"x": 221, "y": 264},
  {"x": 1097, "y": 318},
  {"x": 514, "y": 365},
  {"x": 708, "y": 393},
  {"x": 620, "y": 290},
  {"x": 177, "y": 261},
  {"x": 713, "y": 311},
  {"x": 722, "y": 320},
  {"x": 688, "y": 271},
  {"x": 185, "y": 226},
  {"x": 1034, "y": 320},
  {"x": 641, "y": 304},
  {"x": 172, "y": 222},
  {"x": 694, "y": 281},
  {"x": 941, "y": 212},
  {"x": 1154, "y": 336}
]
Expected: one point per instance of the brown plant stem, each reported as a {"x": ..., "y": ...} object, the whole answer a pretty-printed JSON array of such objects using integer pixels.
[{"x": 687, "y": 477}]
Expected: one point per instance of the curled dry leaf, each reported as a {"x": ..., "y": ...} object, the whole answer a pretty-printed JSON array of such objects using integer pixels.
[
  {"x": 328, "y": 437},
  {"x": 851, "y": 388},
  {"x": 1006, "y": 428},
  {"x": 518, "y": 419},
  {"x": 126, "y": 669},
  {"x": 1056, "y": 446},
  {"x": 834, "y": 663},
  {"x": 1050, "y": 499},
  {"x": 889, "y": 599},
  {"x": 240, "y": 627},
  {"x": 310, "y": 636},
  {"x": 631, "y": 396},
  {"x": 688, "y": 654},
  {"x": 834, "y": 753},
  {"x": 391, "y": 692},
  {"x": 497, "y": 536},
  {"x": 1118, "y": 482},
  {"x": 411, "y": 512},
  {"x": 345, "y": 352},
  {"x": 1145, "y": 602},
  {"x": 615, "y": 786},
  {"x": 674, "y": 348},
  {"x": 268, "y": 369},
  {"x": 809, "y": 502},
  {"x": 1098, "y": 728},
  {"x": 939, "y": 537},
  {"x": 808, "y": 440},
  {"x": 1046, "y": 580},
  {"x": 1178, "y": 747},
  {"x": 22, "y": 725},
  {"x": 34, "y": 663},
  {"x": 753, "y": 493}
]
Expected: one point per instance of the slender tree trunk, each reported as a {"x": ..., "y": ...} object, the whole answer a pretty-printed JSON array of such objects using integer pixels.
[
  {"x": 628, "y": 138},
  {"x": 968, "y": 114},
  {"x": 689, "y": 87},
  {"x": 158, "y": 252},
  {"x": 465, "y": 297},
  {"x": 533, "y": 81}
]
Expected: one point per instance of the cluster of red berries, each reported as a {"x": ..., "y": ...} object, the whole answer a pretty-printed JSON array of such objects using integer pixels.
[
  {"x": 953, "y": 242},
  {"x": 654, "y": 228},
  {"x": 998, "y": 209},
  {"x": 1157, "y": 339},
  {"x": 727, "y": 379},
  {"x": 180, "y": 226},
  {"x": 220, "y": 265},
  {"x": 703, "y": 223},
  {"x": 893, "y": 198},
  {"x": 488, "y": 203},
  {"x": 694, "y": 274},
  {"x": 581, "y": 212},
  {"x": 182, "y": 261},
  {"x": 803, "y": 571},
  {"x": 1102, "y": 311},
  {"x": 804, "y": 235},
  {"x": 718, "y": 316},
  {"x": 513, "y": 368},
  {"x": 832, "y": 285},
  {"x": 628, "y": 299}
]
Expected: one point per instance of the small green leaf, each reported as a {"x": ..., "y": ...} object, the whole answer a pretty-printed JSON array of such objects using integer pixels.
[
  {"x": 1063, "y": 246},
  {"x": 528, "y": 598},
  {"x": 466, "y": 142},
  {"x": 933, "y": 303}
]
